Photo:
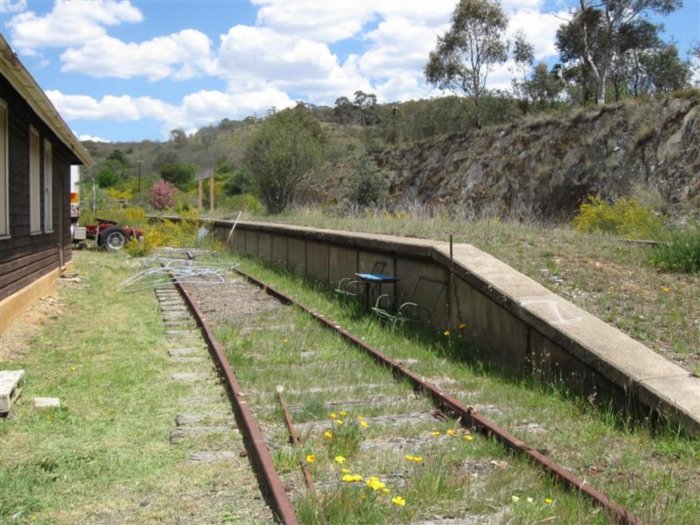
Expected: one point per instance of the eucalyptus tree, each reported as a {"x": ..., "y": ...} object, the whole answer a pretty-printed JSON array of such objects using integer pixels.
[
  {"x": 596, "y": 35},
  {"x": 469, "y": 50}
]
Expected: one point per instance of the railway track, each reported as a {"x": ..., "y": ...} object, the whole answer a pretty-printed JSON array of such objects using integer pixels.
[{"x": 331, "y": 434}]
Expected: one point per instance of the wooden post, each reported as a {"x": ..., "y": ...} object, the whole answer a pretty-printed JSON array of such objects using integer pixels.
[
  {"x": 211, "y": 193},
  {"x": 201, "y": 196}
]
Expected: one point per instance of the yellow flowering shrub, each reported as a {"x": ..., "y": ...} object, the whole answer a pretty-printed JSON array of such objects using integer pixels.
[{"x": 625, "y": 217}]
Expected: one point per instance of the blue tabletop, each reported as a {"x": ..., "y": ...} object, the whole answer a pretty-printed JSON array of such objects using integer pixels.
[{"x": 377, "y": 277}]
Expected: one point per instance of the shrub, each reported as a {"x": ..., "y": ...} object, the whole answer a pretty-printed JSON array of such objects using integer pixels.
[
  {"x": 162, "y": 195},
  {"x": 369, "y": 185},
  {"x": 245, "y": 202},
  {"x": 238, "y": 183},
  {"x": 681, "y": 254},
  {"x": 625, "y": 217}
]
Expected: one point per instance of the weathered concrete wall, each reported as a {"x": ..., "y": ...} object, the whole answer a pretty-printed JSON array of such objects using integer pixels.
[{"x": 511, "y": 321}]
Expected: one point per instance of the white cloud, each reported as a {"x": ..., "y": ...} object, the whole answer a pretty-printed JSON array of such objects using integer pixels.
[
  {"x": 180, "y": 56},
  {"x": 539, "y": 28},
  {"x": 295, "y": 65},
  {"x": 195, "y": 110},
  {"x": 69, "y": 23},
  {"x": 321, "y": 21},
  {"x": 8, "y": 6},
  {"x": 85, "y": 138}
]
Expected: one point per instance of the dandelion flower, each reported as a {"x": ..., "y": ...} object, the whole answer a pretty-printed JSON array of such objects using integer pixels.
[
  {"x": 548, "y": 501},
  {"x": 345, "y": 471},
  {"x": 328, "y": 435},
  {"x": 343, "y": 413},
  {"x": 333, "y": 415},
  {"x": 446, "y": 333},
  {"x": 351, "y": 478},
  {"x": 435, "y": 433},
  {"x": 452, "y": 432},
  {"x": 468, "y": 437},
  {"x": 398, "y": 501},
  {"x": 360, "y": 418},
  {"x": 311, "y": 458},
  {"x": 364, "y": 424},
  {"x": 375, "y": 484},
  {"x": 339, "y": 422},
  {"x": 515, "y": 498},
  {"x": 665, "y": 289},
  {"x": 339, "y": 460},
  {"x": 416, "y": 459}
]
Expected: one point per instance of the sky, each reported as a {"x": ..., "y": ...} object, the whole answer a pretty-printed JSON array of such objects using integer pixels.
[{"x": 121, "y": 70}]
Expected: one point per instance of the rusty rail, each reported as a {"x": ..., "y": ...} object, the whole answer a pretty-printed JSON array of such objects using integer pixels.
[
  {"x": 466, "y": 415},
  {"x": 255, "y": 444}
]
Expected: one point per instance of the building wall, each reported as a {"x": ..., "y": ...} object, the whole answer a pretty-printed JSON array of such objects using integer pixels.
[{"x": 24, "y": 258}]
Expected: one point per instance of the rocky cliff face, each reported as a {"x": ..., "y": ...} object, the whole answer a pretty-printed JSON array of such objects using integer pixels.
[{"x": 548, "y": 166}]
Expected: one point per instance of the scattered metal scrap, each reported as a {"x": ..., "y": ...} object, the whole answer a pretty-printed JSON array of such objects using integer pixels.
[{"x": 163, "y": 271}]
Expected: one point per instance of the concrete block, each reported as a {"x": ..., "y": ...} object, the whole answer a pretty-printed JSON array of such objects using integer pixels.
[
  {"x": 279, "y": 250},
  {"x": 47, "y": 402},
  {"x": 497, "y": 335},
  {"x": 296, "y": 261},
  {"x": 264, "y": 246},
  {"x": 317, "y": 258},
  {"x": 343, "y": 263},
  {"x": 10, "y": 388}
]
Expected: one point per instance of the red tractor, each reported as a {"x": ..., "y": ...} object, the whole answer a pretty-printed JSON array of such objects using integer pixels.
[{"x": 110, "y": 235}]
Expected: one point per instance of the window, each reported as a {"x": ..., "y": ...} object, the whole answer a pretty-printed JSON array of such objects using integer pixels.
[
  {"x": 34, "y": 182},
  {"x": 48, "y": 187},
  {"x": 4, "y": 174}
]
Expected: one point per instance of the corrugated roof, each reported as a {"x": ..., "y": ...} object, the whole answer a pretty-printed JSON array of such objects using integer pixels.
[{"x": 15, "y": 72}]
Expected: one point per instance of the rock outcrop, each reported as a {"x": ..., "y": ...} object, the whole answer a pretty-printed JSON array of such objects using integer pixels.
[{"x": 547, "y": 166}]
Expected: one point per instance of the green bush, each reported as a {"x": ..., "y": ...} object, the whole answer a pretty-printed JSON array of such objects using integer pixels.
[
  {"x": 369, "y": 185},
  {"x": 681, "y": 254},
  {"x": 245, "y": 202},
  {"x": 625, "y": 217}
]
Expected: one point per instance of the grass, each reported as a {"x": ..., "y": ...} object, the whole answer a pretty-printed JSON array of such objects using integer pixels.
[
  {"x": 105, "y": 455},
  {"x": 603, "y": 275},
  {"x": 652, "y": 472}
]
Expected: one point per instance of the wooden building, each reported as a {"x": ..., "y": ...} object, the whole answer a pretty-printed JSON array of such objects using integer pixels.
[{"x": 37, "y": 149}]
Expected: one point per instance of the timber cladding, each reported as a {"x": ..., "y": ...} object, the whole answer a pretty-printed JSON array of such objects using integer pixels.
[{"x": 26, "y": 256}]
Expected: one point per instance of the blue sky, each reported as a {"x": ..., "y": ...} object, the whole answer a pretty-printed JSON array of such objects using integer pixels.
[{"x": 121, "y": 70}]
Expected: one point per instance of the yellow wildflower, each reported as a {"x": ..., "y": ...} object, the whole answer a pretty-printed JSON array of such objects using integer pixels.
[
  {"x": 398, "y": 501},
  {"x": 327, "y": 435},
  {"x": 333, "y": 415},
  {"x": 311, "y": 458},
  {"x": 386, "y": 490},
  {"x": 462, "y": 326},
  {"x": 351, "y": 478},
  {"x": 452, "y": 432},
  {"x": 345, "y": 471},
  {"x": 364, "y": 424},
  {"x": 530, "y": 500},
  {"x": 285, "y": 340},
  {"x": 339, "y": 460},
  {"x": 417, "y": 459},
  {"x": 446, "y": 333},
  {"x": 375, "y": 484},
  {"x": 548, "y": 501},
  {"x": 468, "y": 437},
  {"x": 665, "y": 289},
  {"x": 343, "y": 413},
  {"x": 515, "y": 498},
  {"x": 339, "y": 422},
  {"x": 435, "y": 433}
]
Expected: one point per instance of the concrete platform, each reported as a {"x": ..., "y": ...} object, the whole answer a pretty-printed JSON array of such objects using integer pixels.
[{"x": 514, "y": 322}]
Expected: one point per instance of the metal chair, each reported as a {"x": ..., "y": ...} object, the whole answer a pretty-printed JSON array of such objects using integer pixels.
[{"x": 419, "y": 307}]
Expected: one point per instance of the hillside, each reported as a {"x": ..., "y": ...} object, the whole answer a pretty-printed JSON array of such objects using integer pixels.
[
  {"x": 537, "y": 166},
  {"x": 546, "y": 166}
]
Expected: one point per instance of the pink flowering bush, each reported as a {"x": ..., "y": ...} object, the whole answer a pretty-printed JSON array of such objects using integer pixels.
[{"x": 162, "y": 195}]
